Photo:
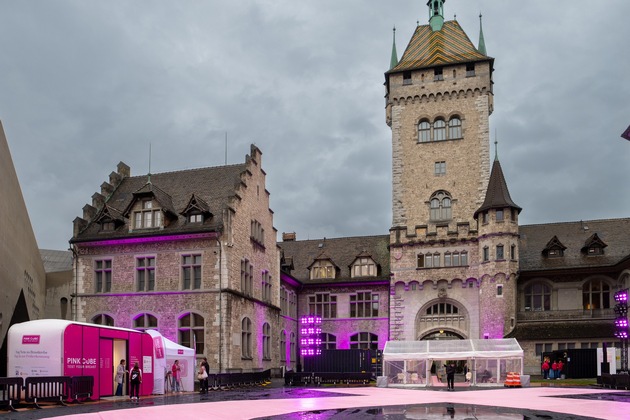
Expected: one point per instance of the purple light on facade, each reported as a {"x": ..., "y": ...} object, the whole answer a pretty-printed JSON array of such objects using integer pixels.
[
  {"x": 621, "y": 296},
  {"x": 311, "y": 331}
]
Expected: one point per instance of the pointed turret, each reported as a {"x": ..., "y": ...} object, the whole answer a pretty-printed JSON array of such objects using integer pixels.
[
  {"x": 436, "y": 14},
  {"x": 497, "y": 194},
  {"x": 482, "y": 43},
  {"x": 394, "y": 60}
]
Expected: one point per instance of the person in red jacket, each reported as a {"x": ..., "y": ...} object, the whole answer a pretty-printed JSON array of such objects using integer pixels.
[
  {"x": 560, "y": 366},
  {"x": 554, "y": 368},
  {"x": 545, "y": 369}
]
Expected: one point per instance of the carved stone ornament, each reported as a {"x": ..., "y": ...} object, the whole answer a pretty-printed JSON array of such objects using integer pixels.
[{"x": 442, "y": 292}]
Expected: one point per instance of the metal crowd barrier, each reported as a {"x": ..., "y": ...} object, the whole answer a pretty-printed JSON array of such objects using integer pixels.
[
  {"x": 46, "y": 388},
  {"x": 11, "y": 392},
  {"x": 81, "y": 387},
  {"x": 616, "y": 380},
  {"x": 232, "y": 380},
  {"x": 318, "y": 378}
]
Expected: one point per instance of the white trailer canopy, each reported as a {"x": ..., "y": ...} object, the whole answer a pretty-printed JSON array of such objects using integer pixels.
[{"x": 452, "y": 349}]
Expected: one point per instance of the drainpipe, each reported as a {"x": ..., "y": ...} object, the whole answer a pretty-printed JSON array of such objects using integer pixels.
[{"x": 220, "y": 307}]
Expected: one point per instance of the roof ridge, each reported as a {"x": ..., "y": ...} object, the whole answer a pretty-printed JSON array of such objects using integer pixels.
[
  {"x": 578, "y": 221},
  {"x": 189, "y": 170}
]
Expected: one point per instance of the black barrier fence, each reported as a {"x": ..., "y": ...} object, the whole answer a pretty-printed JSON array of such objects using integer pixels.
[
  {"x": 615, "y": 381},
  {"x": 11, "y": 392},
  {"x": 46, "y": 389},
  {"x": 37, "y": 389},
  {"x": 235, "y": 380},
  {"x": 335, "y": 378}
]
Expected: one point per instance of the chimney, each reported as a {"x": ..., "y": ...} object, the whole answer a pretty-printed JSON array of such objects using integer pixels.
[{"x": 288, "y": 236}]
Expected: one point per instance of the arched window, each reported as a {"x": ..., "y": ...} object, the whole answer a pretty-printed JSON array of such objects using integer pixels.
[
  {"x": 538, "y": 297},
  {"x": 145, "y": 322},
  {"x": 596, "y": 295},
  {"x": 440, "y": 204},
  {"x": 190, "y": 331},
  {"x": 266, "y": 336},
  {"x": 329, "y": 341},
  {"x": 439, "y": 130},
  {"x": 364, "y": 340},
  {"x": 246, "y": 338},
  {"x": 455, "y": 128},
  {"x": 442, "y": 309},
  {"x": 424, "y": 132},
  {"x": 102, "y": 319}
]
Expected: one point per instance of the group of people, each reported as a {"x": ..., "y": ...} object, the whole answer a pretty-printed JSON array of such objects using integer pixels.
[
  {"x": 135, "y": 379},
  {"x": 552, "y": 370}
]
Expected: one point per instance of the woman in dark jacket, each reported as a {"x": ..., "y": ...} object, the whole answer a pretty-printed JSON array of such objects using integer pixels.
[{"x": 135, "y": 377}]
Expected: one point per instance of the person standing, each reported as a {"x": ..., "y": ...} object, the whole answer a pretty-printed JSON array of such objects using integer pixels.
[
  {"x": 545, "y": 368},
  {"x": 560, "y": 366},
  {"x": 450, "y": 376},
  {"x": 204, "y": 382},
  {"x": 135, "y": 381},
  {"x": 120, "y": 377},
  {"x": 177, "y": 376}
]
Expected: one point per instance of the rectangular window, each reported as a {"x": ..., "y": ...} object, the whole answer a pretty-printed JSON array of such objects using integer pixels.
[
  {"x": 148, "y": 217},
  {"x": 470, "y": 70},
  {"x": 283, "y": 301},
  {"x": 103, "y": 276},
  {"x": 257, "y": 233},
  {"x": 513, "y": 252},
  {"x": 447, "y": 260},
  {"x": 406, "y": 78},
  {"x": 499, "y": 290},
  {"x": 548, "y": 347},
  {"x": 440, "y": 168},
  {"x": 562, "y": 346},
  {"x": 420, "y": 261},
  {"x": 486, "y": 254},
  {"x": 499, "y": 215},
  {"x": 145, "y": 274},
  {"x": 323, "y": 305},
  {"x": 247, "y": 277},
  {"x": 191, "y": 271},
  {"x": 464, "y": 258},
  {"x": 500, "y": 252},
  {"x": 266, "y": 286},
  {"x": 363, "y": 305},
  {"x": 539, "y": 349},
  {"x": 195, "y": 218},
  {"x": 438, "y": 74}
]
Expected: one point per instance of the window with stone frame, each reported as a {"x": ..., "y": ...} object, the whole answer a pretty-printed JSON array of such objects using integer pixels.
[
  {"x": 323, "y": 305},
  {"x": 195, "y": 218},
  {"x": 190, "y": 332},
  {"x": 103, "y": 275},
  {"x": 455, "y": 259},
  {"x": 293, "y": 305},
  {"x": 257, "y": 233},
  {"x": 103, "y": 319},
  {"x": 596, "y": 295},
  {"x": 266, "y": 341},
  {"x": 500, "y": 253},
  {"x": 145, "y": 322},
  {"x": 486, "y": 253},
  {"x": 470, "y": 70},
  {"x": 499, "y": 215},
  {"x": 364, "y": 340},
  {"x": 537, "y": 297},
  {"x": 329, "y": 341},
  {"x": 322, "y": 269},
  {"x": 364, "y": 267},
  {"x": 247, "y": 277},
  {"x": 440, "y": 206},
  {"x": 439, "y": 130},
  {"x": 145, "y": 274},
  {"x": 513, "y": 252},
  {"x": 266, "y": 286},
  {"x": 191, "y": 271},
  {"x": 284, "y": 301},
  {"x": 246, "y": 338},
  {"x": 364, "y": 305},
  {"x": 147, "y": 217},
  {"x": 293, "y": 348},
  {"x": 439, "y": 168},
  {"x": 283, "y": 346},
  {"x": 454, "y": 128},
  {"x": 424, "y": 131}
]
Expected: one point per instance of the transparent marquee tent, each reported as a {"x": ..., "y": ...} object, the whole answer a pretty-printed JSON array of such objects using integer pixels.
[{"x": 420, "y": 363}]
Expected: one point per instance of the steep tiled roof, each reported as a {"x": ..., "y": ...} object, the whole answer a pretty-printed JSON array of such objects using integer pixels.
[
  {"x": 497, "y": 194},
  {"x": 573, "y": 235},
  {"x": 215, "y": 186},
  {"x": 343, "y": 251},
  {"x": 429, "y": 48}
]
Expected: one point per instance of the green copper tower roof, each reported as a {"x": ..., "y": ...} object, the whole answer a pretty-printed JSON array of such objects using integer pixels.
[
  {"x": 394, "y": 60},
  {"x": 482, "y": 42},
  {"x": 436, "y": 14}
]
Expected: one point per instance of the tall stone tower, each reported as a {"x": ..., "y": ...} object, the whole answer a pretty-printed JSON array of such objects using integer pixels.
[{"x": 438, "y": 103}]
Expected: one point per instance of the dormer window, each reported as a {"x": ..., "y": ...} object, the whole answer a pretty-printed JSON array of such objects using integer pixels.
[
  {"x": 108, "y": 226},
  {"x": 594, "y": 246},
  {"x": 595, "y": 250},
  {"x": 364, "y": 267},
  {"x": 555, "y": 253},
  {"x": 147, "y": 217},
  {"x": 322, "y": 269},
  {"x": 195, "y": 218}
]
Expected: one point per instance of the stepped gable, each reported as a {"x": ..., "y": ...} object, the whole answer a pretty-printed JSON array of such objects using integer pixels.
[
  {"x": 534, "y": 239},
  {"x": 428, "y": 48},
  {"x": 342, "y": 251},
  {"x": 216, "y": 186}
]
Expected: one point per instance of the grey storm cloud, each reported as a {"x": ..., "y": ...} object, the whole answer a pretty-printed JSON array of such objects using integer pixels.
[{"x": 86, "y": 84}]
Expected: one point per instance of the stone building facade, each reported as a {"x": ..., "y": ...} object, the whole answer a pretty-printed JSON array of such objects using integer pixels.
[{"x": 192, "y": 254}]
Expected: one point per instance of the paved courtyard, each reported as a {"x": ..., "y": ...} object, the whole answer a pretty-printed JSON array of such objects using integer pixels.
[{"x": 279, "y": 402}]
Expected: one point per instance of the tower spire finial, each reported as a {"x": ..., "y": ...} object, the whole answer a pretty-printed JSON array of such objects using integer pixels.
[
  {"x": 394, "y": 60},
  {"x": 496, "y": 145},
  {"x": 482, "y": 43},
  {"x": 436, "y": 14}
]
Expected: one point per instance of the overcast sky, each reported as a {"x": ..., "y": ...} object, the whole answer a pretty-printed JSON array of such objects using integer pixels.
[{"x": 86, "y": 84}]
